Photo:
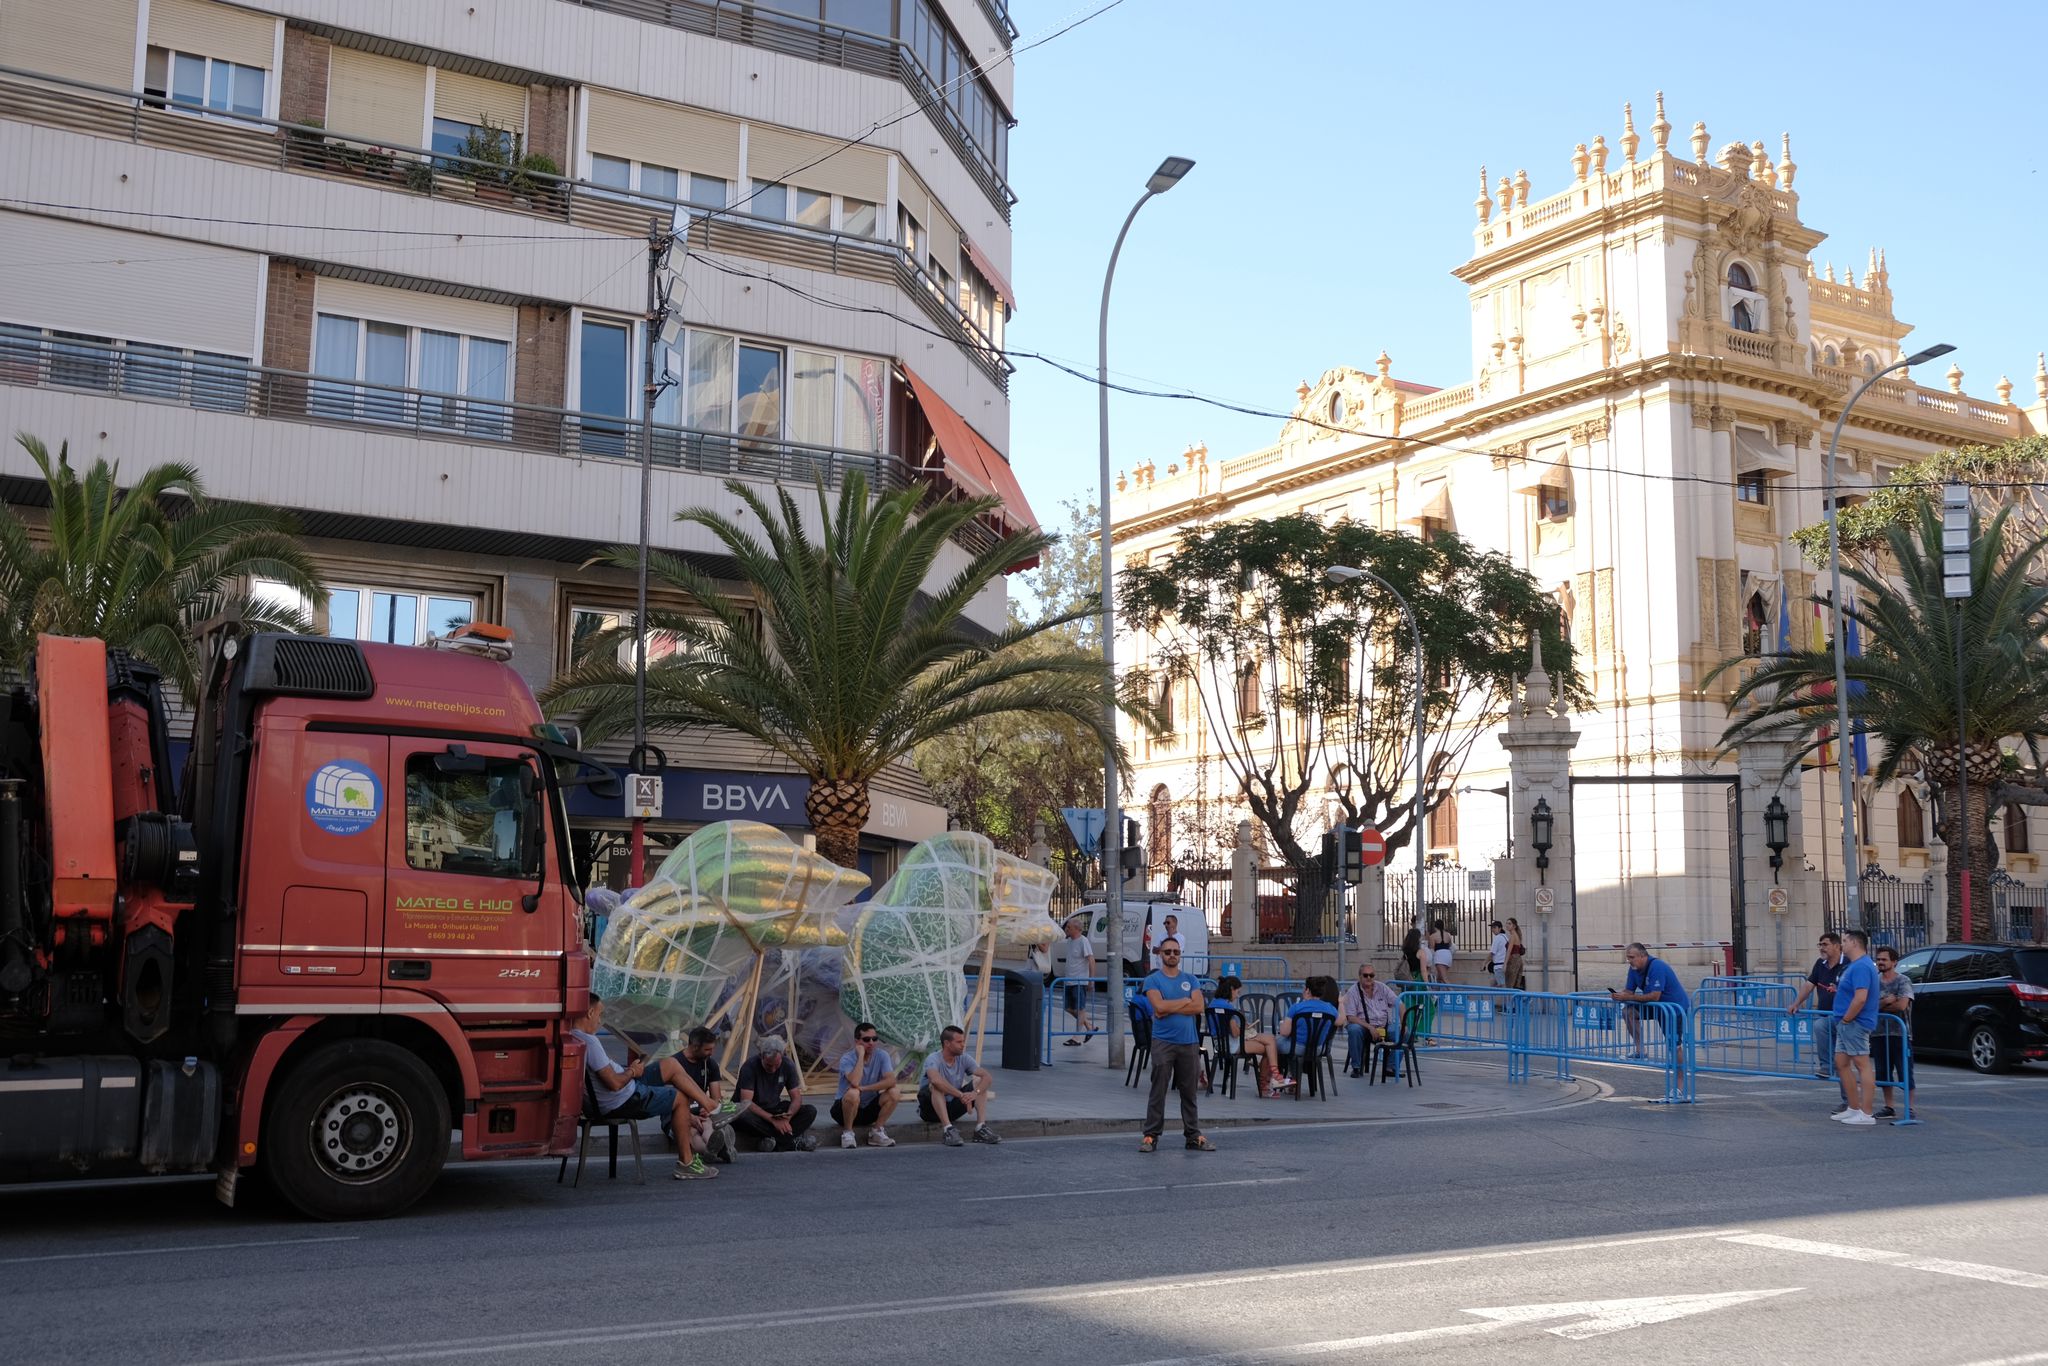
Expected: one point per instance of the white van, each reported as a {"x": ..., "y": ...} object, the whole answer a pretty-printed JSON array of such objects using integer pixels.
[{"x": 1144, "y": 926}]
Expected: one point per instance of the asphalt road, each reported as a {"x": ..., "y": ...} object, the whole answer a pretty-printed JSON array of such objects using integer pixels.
[{"x": 1747, "y": 1228}]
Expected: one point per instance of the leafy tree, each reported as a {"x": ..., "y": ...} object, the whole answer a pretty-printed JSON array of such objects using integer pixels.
[
  {"x": 855, "y": 666},
  {"x": 1002, "y": 775},
  {"x": 138, "y": 569},
  {"x": 2012, "y": 475},
  {"x": 1308, "y": 686},
  {"x": 1902, "y": 689}
]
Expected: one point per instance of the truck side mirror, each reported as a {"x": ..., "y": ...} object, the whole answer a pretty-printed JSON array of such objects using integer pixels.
[{"x": 458, "y": 759}]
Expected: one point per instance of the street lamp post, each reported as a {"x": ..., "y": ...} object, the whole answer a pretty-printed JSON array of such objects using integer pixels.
[
  {"x": 1542, "y": 831},
  {"x": 1339, "y": 573},
  {"x": 1852, "y": 890},
  {"x": 1165, "y": 178},
  {"x": 1955, "y": 586}
]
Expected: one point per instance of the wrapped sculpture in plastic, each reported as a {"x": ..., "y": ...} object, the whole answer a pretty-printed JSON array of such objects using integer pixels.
[
  {"x": 906, "y": 959},
  {"x": 675, "y": 954}
]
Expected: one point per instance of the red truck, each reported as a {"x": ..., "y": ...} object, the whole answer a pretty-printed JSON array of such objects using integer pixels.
[{"x": 350, "y": 930}]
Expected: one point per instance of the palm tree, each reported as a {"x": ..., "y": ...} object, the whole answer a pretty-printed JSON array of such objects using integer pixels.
[
  {"x": 131, "y": 567},
  {"x": 1902, "y": 689},
  {"x": 852, "y": 671}
]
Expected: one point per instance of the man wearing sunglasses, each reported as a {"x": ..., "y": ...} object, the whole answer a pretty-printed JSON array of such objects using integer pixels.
[
  {"x": 1177, "y": 1005},
  {"x": 867, "y": 1089},
  {"x": 1368, "y": 1011}
]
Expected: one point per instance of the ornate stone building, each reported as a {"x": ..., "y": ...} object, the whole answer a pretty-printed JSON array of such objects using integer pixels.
[{"x": 1657, "y": 357}]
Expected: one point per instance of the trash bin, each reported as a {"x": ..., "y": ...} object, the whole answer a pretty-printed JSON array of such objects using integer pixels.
[{"x": 1023, "y": 1019}]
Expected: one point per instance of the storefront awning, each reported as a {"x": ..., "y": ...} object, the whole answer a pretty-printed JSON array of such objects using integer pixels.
[
  {"x": 1436, "y": 508},
  {"x": 975, "y": 467},
  {"x": 1536, "y": 473},
  {"x": 1754, "y": 453},
  {"x": 990, "y": 273}
]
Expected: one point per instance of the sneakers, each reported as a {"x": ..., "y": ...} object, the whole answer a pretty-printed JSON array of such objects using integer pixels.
[
  {"x": 878, "y": 1137},
  {"x": 847, "y": 1140},
  {"x": 1148, "y": 1144},
  {"x": 1886, "y": 1113},
  {"x": 1200, "y": 1144},
  {"x": 984, "y": 1134},
  {"x": 1857, "y": 1117},
  {"x": 807, "y": 1143},
  {"x": 766, "y": 1145},
  {"x": 951, "y": 1138},
  {"x": 724, "y": 1145},
  {"x": 1839, "y": 1110},
  {"x": 694, "y": 1170}
]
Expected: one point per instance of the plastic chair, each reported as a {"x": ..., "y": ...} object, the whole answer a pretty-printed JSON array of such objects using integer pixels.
[
  {"x": 1141, "y": 1043},
  {"x": 593, "y": 1118},
  {"x": 1260, "y": 1010},
  {"x": 1309, "y": 1061},
  {"x": 1402, "y": 1048},
  {"x": 1223, "y": 1062},
  {"x": 1284, "y": 1001}
]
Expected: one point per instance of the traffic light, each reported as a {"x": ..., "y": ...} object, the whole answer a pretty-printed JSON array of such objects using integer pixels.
[
  {"x": 1133, "y": 852},
  {"x": 1353, "y": 860}
]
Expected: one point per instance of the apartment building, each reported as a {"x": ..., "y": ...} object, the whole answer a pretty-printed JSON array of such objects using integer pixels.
[{"x": 400, "y": 268}]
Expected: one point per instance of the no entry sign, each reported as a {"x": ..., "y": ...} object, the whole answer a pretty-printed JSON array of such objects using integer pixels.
[{"x": 1372, "y": 847}]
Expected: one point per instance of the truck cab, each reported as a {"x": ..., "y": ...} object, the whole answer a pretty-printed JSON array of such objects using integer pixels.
[{"x": 371, "y": 942}]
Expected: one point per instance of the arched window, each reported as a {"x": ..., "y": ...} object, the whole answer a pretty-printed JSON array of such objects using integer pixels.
[
  {"x": 1754, "y": 617},
  {"x": 1869, "y": 363},
  {"x": 1162, "y": 701},
  {"x": 1743, "y": 317},
  {"x": 1830, "y": 356},
  {"x": 1912, "y": 823},
  {"x": 1250, "y": 704},
  {"x": 2016, "y": 841},
  {"x": 1740, "y": 278},
  {"x": 1443, "y": 824},
  {"x": 1159, "y": 845}
]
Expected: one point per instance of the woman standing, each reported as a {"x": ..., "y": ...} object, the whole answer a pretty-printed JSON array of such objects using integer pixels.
[
  {"x": 1516, "y": 951},
  {"x": 1440, "y": 942},
  {"x": 1411, "y": 955}
]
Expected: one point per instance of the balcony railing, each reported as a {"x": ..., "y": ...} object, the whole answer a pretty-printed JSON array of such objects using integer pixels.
[
  {"x": 104, "y": 111},
  {"x": 224, "y": 385},
  {"x": 818, "y": 40}
]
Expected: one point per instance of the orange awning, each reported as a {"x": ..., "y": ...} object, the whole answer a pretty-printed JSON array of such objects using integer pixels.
[
  {"x": 990, "y": 273},
  {"x": 972, "y": 464}
]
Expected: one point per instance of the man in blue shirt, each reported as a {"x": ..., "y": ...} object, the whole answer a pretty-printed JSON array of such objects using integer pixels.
[
  {"x": 1176, "y": 1002},
  {"x": 1855, "y": 1013},
  {"x": 1651, "y": 980},
  {"x": 1820, "y": 984}
]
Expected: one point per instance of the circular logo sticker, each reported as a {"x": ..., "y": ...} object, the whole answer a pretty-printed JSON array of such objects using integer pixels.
[{"x": 343, "y": 798}]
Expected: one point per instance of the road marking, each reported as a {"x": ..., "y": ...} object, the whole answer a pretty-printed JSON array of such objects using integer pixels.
[
  {"x": 190, "y": 1247},
  {"x": 1596, "y": 1318},
  {"x": 1940, "y": 1266},
  {"x": 2026, "y": 1360},
  {"x": 1126, "y": 1190},
  {"x": 561, "y": 1339}
]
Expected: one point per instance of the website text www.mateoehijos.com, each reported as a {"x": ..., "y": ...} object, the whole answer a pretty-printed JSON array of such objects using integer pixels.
[{"x": 445, "y": 706}]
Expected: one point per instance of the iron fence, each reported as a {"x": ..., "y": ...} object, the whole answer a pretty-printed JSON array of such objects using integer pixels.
[{"x": 1460, "y": 897}]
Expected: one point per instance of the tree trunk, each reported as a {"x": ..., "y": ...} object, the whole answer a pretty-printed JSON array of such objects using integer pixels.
[
  {"x": 1970, "y": 855},
  {"x": 838, "y": 811}
]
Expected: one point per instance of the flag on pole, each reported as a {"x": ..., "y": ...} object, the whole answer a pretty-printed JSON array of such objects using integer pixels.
[
  {"x": 1784, "y": 620},
  {"x": 1825, "y": 690},
  {"x": 1853, "y": 646}
]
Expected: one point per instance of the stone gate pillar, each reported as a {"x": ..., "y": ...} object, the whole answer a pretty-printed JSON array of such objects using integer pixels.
[
  {"x": 1244, "y": 887},
  {"x": 1782, "y": 917},
  {"x": 1539, "y": 741}
]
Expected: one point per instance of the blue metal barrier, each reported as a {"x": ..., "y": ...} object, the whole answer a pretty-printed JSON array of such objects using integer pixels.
[
  {"x": 1055, "y": 1011},
  {"x": 1591, "y": 1027},
  {"x": 1759, "y": 1041},
  {"x": 1472, "y": 1020}
]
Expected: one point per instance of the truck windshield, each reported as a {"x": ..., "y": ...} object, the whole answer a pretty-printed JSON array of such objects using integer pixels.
[{"x": 485, "y": 824}]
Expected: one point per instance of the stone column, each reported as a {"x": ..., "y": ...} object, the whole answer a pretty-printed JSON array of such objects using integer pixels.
[
  {"x": 1777, "y": 933},
  {"x": 1040, "y": 852},
  {"x": 1539, "y": 741},
  {"x": 1244, "y": 887}
]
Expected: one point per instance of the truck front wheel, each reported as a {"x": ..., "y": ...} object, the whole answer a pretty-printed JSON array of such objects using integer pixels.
[{"x": 357, "y": 1130}]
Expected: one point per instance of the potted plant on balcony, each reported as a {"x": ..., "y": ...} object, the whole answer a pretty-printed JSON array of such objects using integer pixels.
[
  {"x": 487, "y": 159},
  {"x": 533, "y": 176},
  {"x": 306, "y": 143}
]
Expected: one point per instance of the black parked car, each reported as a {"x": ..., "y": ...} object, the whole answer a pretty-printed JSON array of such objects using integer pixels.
[{"x": 1984, "y": 1003}]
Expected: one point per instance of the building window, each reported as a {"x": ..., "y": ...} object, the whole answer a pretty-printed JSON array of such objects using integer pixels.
[
  {"x": 634, "y": 177},
  {"x": 1159, "y": 831},
  {"x": 1744, "y": 317},
  {"x": 482, "y": 824},
  {"x": 194, "y": 82},
  {"x": 1753, "y": 487},
  {"x": 1336, "y": 410},
  {"x": 465, "y": 376},
  {"x": 1251, "y": 704},
  {"x": 1869, "y": 363},
  {"x": 143, "y": 370},
  {"x": 909, "y": 233},
  {"x": 2016, "y": 841},
  {"x": 791, "y": 204},
  {"x": 1755, "y": 617},
  {"x": 1912, "y": 822},
  {"x": 588, "y": 624},
  {"x": 858, "y": 218},
  {"x": 453, "y": 138},
  {"x": 1830, "y": 356},
  {"x": 826, "y": 399},
  {"x": 709, "y": 191},
  {"x": 1553, "y": 502},
  {"x": 1443, "y": 823},
  {"x": 605, "y": 395},
  {"x": 760, "y": 392},
  {"x": 385, "y": 615},
  {"x": 1162, "y": 703},
  {"x": 1740, "y": 278}
]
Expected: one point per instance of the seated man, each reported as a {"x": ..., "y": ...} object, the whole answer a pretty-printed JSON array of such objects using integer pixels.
[
  {"x": 951, "y": 1077},
  {"x": 867, "y": 1089},
  {"x": 772, "y": 1112},
  {"x": 622, "y": 1095},
  {"x": 1370, "y": 1009},
  {"x": 704, "y": 1085},
  {"x": 1651, "y": 981}
]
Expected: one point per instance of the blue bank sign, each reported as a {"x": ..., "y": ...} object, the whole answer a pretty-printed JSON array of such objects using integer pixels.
[{"x": 701, "y": 796}]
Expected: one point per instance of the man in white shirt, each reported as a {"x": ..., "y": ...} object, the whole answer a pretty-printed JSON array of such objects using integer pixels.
[
  {"x": 1074, "y": 959},
  {"x": 622, "y": 1095},
  {"x": 1500, "y": 954}
]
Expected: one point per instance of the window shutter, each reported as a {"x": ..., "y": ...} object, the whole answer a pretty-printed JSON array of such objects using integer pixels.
[
  {"x": 472, "y": 99},
  {"x": 207, "y": 29},
  {"x": 84, "y": 40},
  {"x": 130, "y": 285},
  {"x": 945, "y": 247},
  {"x": 774, "y": 153},
  {"x": 648, "y": 131},
  {"x": 376, "y": 99},
  {"x": 435, "y": 312}
]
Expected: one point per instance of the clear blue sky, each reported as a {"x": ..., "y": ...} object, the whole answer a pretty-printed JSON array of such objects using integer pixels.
[{"x": 1338, "y": 148}]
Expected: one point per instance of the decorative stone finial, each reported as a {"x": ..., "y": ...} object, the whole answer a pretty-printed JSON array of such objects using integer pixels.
[
  {"x": 2004, "y": 387},
  {"x": 1506, "y": 193},
  {"x": 1301, "y": 392},
  {"x": 1870, "y": 274},
  {"x": 1484, "y": 203},
  {"x": 1536, "y": 697},
  {"x": 1580, "y": 160},
  {"x": 1760, "y": 164},
  {"x": 1521, "y": 189},
  {"x": 1831, "y": 272},
  {"x": 1629, "y": 140},
  {"x": 1735, "y": 159},
  {"x": 2041, "y": 374},
  {"x": 1699, "y": 142},
  {"x": 1955, "y": 378},
  {"x": 1849, "y": 276},
  {"x": 1787, "y": 168},
  {"x": 1599, "y": 154},
  {"x": 1660, "y": 131},
  {"x": 1385, "y": 364},
  {"x": 1122, "y": 482}
]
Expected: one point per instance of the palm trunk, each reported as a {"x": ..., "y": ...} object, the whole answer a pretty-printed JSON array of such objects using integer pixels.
[
  {"x": 838, "y": 811},
  {"x": 1969, "y": 844}
]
